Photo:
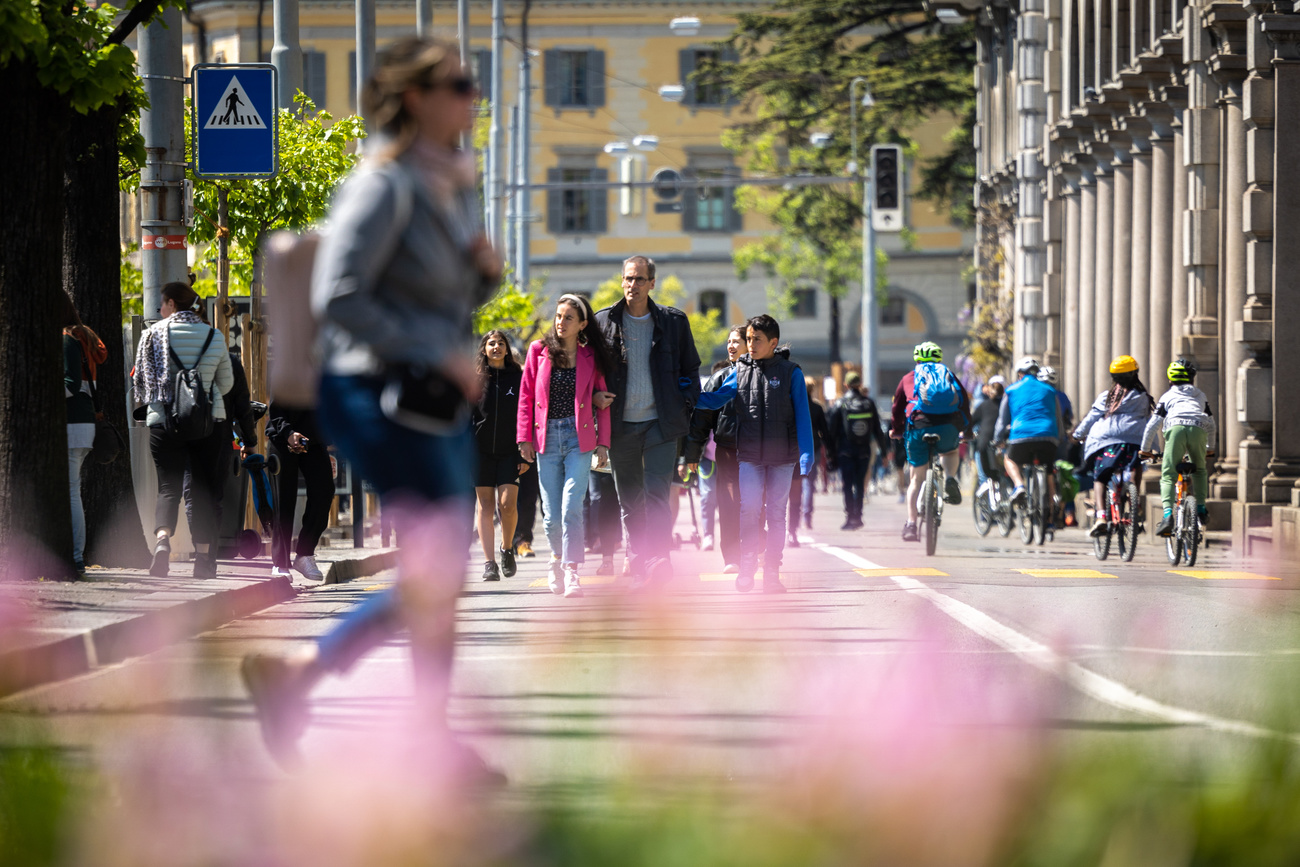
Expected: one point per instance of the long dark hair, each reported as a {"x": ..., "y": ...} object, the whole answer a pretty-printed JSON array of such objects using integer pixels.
[
  {"x": 481, "y": 363},
  {"x": 185, "y": 298},
  {"x": 589, "y": 336},
  {"x": 1124, "y": 383}
]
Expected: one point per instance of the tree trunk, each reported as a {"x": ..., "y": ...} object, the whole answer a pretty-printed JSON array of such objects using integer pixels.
[
  {"x": 91, "y": 273},
  {"x": 35, "y": 514},
  {"x": 835, "y": 331}
]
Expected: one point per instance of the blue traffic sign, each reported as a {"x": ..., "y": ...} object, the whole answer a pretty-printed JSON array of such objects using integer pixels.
[{"x": 233, "y": 123}]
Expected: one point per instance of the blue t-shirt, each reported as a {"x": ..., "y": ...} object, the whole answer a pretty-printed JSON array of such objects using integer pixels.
[{"x": 1029, "y": 409}]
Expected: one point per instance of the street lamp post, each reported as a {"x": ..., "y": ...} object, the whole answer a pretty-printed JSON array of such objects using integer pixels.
[{"x": 869, "y": 315}]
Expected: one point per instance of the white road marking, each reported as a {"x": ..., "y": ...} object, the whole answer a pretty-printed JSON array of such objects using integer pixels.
[{"x": 1042, "y": 657}]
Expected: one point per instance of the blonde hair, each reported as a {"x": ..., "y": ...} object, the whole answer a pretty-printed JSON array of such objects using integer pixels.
[{"x": 411, "y": 62}]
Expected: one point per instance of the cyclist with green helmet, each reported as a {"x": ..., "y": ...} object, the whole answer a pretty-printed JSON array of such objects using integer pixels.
[
  {"x": 929, "y": 399},
  {"x": 1183, "y": 417}
]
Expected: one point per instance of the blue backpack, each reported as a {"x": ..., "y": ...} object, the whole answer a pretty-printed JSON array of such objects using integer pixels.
[{"x": 937, "y": 390}]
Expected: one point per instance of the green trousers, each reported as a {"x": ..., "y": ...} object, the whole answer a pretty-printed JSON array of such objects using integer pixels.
[{"x": 1180, "y": 440}]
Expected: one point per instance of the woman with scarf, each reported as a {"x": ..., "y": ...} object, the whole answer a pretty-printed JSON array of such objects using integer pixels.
[
  {"x": 402, "y": 266},
  {"x": 182, "y": 336},
  {"x": 83, "y": 352},
  {"x": 1113, "y": 429}
]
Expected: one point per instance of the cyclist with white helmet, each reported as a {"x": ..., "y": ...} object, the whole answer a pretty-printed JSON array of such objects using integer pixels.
[
  {"x": 1031, "y": 426},
  {"x": 1183, "y": 418},
  {"x": 1048, "y": 374},
  {"x": 929, "y": 399}
]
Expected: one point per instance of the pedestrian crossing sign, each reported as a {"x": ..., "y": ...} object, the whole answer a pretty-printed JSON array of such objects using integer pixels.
[{"x": 233, "y": 120}]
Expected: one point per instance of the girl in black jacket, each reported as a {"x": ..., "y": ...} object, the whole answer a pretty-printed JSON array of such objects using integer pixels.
[{"x": 499, "y": 463}]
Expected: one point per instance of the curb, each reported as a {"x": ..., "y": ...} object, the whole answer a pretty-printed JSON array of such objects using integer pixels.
[
  {"x": 115, "y": 642},
  {"x": 340, "y": 571}
]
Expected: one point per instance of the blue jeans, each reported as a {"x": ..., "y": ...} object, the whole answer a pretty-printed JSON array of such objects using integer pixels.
[
  {"x": 708, "y": 496},
  {"x": 644, "y": 463},
  {"x": 563, "y": 470},
  {"x": 764, "y": 493},
  {"x": 403, "y": 465}
]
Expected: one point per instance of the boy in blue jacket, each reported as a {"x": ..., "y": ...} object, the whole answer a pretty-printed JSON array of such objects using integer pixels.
[{"x": 773, "y": 431}]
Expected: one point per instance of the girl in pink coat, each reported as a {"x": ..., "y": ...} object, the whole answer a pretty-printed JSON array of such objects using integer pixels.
[{"x": 563, "y": 418}]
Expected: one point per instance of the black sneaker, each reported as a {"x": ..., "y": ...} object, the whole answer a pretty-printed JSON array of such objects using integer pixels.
[
  {"x": 1101, "y": 528},
  {"x": 205, "y": 565},
  {"x": 490, "y": 571},
  {"x": 909, "y": 532},
  {"x": 848, "y": 525},
  {"x": 744, "y": 583},
  {"x": 773, "y": 585},
  {"x": 1166, "y": 527},
  {"x": 162, "y": 555},
  {"x": 791, "y": 540},
  {"x": 508, "y": 562},
  {"x": 952, "y": 492}
]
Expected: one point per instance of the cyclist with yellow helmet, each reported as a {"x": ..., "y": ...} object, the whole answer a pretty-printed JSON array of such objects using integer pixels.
[
  {"x": 929, "y": 399},
  {"x": 1183, "y": 419},
  {"x": 1112, "y": 431}
]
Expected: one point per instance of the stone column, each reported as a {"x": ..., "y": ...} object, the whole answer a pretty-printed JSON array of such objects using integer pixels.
[
  {"x": 1087, "y": 282},
  {"x": 1070, "y": 303},
  {"x": 1139, "y": 322},
  {"x": 1280, "y": 485},
  {"x": 1121, "y": 269},
  {"x": 1104, "y": 283},
  {"x": 1161, "y": 280},
  {"x": 1180, "y": 299},
  {"x": 1031, "y": 41}
]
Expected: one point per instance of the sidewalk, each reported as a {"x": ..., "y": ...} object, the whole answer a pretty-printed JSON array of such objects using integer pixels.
[{"x": 69, "y": 628}]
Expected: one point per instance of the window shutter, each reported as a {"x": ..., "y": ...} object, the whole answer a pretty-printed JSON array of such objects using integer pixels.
[
  {"x": 313, "y": 77},
  {"x": 352, "y": 81},
  {"x": 483, "y": 72},
  {"x": 599, "y": 203},
  {"x": 595, "y": 78},
  {"x": 690, "y": 202},
  {"x": 735, "y": 219},
  {"x": 729, "y": 55},
  {"x": 686, "y": 66},
  {"x": 554, "y": 202},
  {"x": 551, "y": 74}
]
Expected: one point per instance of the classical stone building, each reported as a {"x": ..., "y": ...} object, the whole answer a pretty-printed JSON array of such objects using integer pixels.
[{"x": 1139, "y": 195}]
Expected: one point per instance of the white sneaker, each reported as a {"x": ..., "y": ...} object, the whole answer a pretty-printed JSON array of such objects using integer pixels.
[
  {"x": 730, "y": 569},
  {"x": 706, "y": 545},
  {"x": 306, "y": 565},
  {"x": 277, "y": 572},
  {"x": 555, "y": 580},
  {"x": 572, "y": 586}
]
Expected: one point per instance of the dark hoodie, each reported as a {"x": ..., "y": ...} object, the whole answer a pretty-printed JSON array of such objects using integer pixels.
[{"x": 496, "y": 413}]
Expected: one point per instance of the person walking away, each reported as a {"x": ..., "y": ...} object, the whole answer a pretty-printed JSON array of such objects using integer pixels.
[
  {"x": 605, "y": 526},
  {"x": 395, "y": 282},
  {"x": 499, "y": 463},
  {"x": 929, "y": 399},
  {"x": 182, "y": 343},
  {"x": 1112, "y": 432},
  {"x": 296, "y": 440},
  {"x": 560, "y": 425},
  {"x": 773, "y": 433},
  {"x": 984, "y": 421},
  {"x": 1030, "y": 423},
  {"x": 83, "y": 352},
  {"x": 240, "y": 419},
  {"x": 1184, "y": 421},
  {"x": 721, "y": 426},
  {"x": 853, "y": 427},
  {"x": 804, "y": 488},
  {"x": 656, "y": 378}
]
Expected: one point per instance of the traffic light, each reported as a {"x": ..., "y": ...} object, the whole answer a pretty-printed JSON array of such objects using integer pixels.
[{"x": 887, "y": 188}]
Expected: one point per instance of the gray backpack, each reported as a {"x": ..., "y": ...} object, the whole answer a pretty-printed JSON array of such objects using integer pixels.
[{"x": 189, "y": 415}]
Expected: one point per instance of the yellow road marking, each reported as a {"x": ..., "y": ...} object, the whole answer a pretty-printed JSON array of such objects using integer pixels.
[
  {"x": 1224, "y": 576},
  {"x": 920, "y": 572},
  {"x": 374, "y": 587},
  {"x": 1065, "y": 573},
  {"x": 586, "y": 580}
]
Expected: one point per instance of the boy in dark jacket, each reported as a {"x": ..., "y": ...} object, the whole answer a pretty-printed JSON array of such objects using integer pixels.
[
  {"x": 726, "y": 466},
  {"x": 854, "y": 424},
  {"x": 773, "y": 431}
]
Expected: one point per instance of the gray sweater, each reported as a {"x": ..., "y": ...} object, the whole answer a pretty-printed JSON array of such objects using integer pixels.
[{"x": 187, "y": 339}]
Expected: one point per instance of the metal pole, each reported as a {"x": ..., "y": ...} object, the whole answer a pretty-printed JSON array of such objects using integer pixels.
[
  {"x": 510, "y": 199},
  {"x": 462, "y": 36},
  {"x": 162, "y": 213},
  {"x": 223, "y": 262},
  {"x": 358, "y": 509},
  {"x": 524, "y": 206},
  {"x": 496, "y": 131},
  {"x": 869, "y": 316},
  {"x": 365, "y": 56},
  {"x": 286, "y": 54},
  {"x": 423, "y": 17}
]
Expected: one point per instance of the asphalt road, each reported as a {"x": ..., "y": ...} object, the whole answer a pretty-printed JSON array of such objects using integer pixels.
[{"x": 700, "y": 681}]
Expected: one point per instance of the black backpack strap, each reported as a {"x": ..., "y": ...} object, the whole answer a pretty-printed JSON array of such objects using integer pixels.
[{"x": 202, "y": 352}]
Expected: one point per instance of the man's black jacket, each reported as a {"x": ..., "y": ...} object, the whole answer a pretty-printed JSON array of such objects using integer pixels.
[{"x": 674, "y": 367}]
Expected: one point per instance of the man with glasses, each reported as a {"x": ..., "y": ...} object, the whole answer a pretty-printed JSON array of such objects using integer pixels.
[{"x": 656, "y": 380}]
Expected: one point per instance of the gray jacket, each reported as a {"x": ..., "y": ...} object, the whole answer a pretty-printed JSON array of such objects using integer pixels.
[
  {"x": 394, "y": 280},
  {"x": 186, "y": 340},
  {"x": 1124, "y": 426}
]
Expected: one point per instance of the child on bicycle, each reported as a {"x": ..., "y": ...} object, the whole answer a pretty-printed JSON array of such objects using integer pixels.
[
  {"x": 1183, "y": 419},
  {"x": 1113, "y": 430}
]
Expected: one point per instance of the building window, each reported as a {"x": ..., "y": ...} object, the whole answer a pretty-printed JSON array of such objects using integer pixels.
[
  {"x": 707, "y": 208},
  {"x": 893, "y": 311},
  {"x": 703, "y": 91},
  {"x": 804, "y": 304},
  {"x": 481, "y": 63},
  {"x": 576, "y": 211},
  {"x": 313, "y": 77},
  {"x": 575, "y": 78},
  {"x": 714, "y": 299}
]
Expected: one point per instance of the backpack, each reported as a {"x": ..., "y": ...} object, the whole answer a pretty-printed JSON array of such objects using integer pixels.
[
  {"x": 293, "y": 374},
  {"x": 189, "y": 415},
  {"x": 937, "y": 390},
  {"x": 862, "y": 422}
]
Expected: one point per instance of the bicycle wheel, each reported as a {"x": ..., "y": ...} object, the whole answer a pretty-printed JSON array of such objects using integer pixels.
[
  {"x": 1027, "y": 513},
  {"x": 1101, "y": 544},
  {"x": 983, "y": 511},
  {"x": 1130, "y": 520},
  {"x": 1174, "y": 542},
  {"x": 1005, "y": 515},
  {"x": 1191, "y": 535},
  {"x": 931, "y": 505},
  {"x": 1040, "y": 506}
]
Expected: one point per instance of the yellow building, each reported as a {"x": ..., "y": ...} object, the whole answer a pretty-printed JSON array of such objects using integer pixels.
[{"x": 596, "y": 80}]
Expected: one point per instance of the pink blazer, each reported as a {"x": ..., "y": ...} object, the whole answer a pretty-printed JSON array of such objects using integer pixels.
[{"x": 535, "y": 395}]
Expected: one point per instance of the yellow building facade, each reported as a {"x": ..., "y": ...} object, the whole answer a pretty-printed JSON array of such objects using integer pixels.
[{"x": 596, "y": 78}]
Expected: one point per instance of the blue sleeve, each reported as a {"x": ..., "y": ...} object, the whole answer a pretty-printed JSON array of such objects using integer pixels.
[
  {"x": 802, "y": 424},
  {"x": 721, "y": 396}
]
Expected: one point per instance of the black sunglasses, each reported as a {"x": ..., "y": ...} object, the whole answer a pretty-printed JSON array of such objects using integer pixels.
[{"x": 461, "y": 85}]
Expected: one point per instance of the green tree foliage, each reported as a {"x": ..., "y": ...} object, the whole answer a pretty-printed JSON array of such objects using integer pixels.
[
  {"x": 514, "y": 309},
  {"x": 315, "y": 155}
]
